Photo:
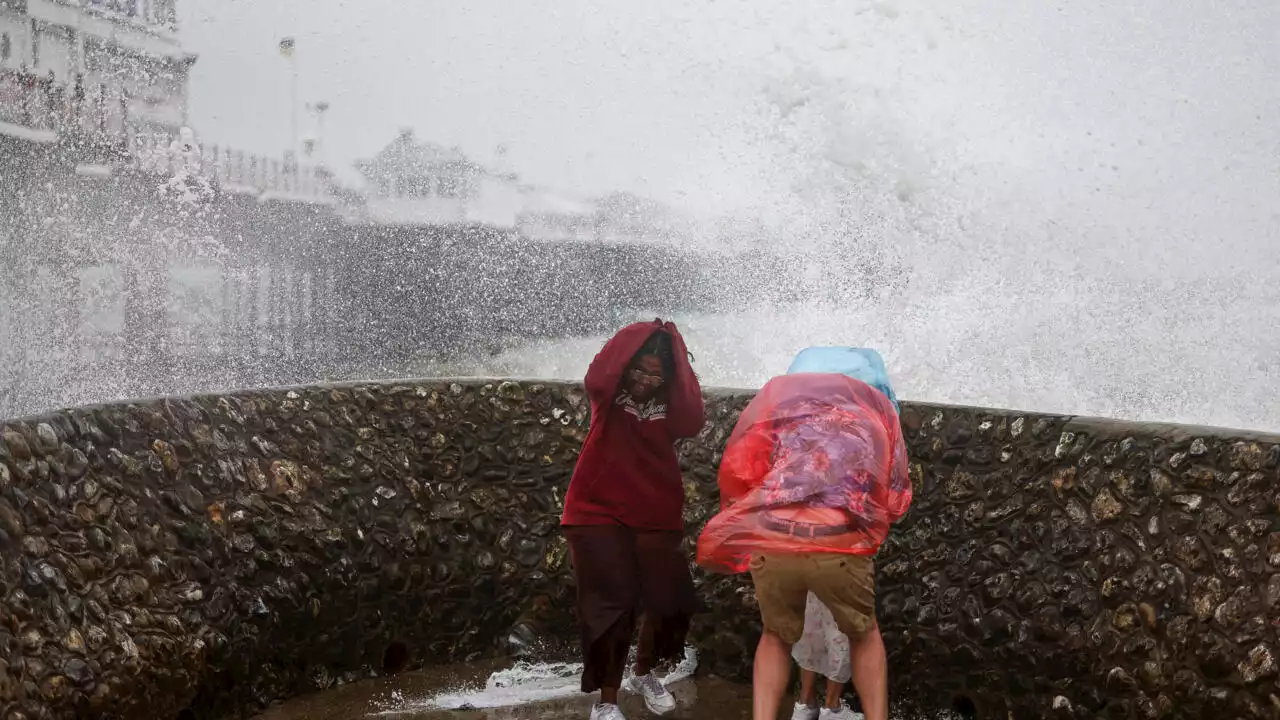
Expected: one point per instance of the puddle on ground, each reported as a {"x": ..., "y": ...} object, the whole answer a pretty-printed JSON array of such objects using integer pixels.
[
  {"x": 508, "y": 690},
  {"x": 501, "y": 690}
]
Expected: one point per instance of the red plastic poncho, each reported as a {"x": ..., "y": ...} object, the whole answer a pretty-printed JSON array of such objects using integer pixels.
[{"x": 816, "y": 463}]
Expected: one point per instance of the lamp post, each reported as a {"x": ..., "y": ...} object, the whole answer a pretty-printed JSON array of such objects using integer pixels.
[
  {"x": 288, "y": 46},
  {"x": 319, "y": 109}
]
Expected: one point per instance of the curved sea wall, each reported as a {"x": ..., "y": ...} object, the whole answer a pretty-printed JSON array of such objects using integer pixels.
[{"x": 201, "y": 557}]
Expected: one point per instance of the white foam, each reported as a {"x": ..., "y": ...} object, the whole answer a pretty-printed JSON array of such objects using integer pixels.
[
  {"x": 522, "y": 684},
  {"x": 1061, "y": 227},
  {"x": 991, "y": 346}
]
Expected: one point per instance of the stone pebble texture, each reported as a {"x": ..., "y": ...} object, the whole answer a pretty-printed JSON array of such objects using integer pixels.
[{"x": 203, "y": 557}]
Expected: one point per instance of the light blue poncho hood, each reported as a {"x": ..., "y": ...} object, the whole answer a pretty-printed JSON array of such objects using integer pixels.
[{"x": 862, "y": 364}]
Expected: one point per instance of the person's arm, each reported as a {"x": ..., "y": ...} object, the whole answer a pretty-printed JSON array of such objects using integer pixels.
[
  {"x": 899, "y": 500},
  {"x": 745, "y": 463},
  {"x": 686, "y": 412},
  {"x": 605, "y": 372}
]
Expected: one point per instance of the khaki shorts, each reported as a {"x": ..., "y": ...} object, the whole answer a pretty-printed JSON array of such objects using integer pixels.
[{"x": 844, "y": 583}]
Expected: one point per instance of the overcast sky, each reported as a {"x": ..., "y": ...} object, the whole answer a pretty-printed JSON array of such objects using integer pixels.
[
  {"x": 1156, "y": 119},
  {"x": 586, "y": 94}
]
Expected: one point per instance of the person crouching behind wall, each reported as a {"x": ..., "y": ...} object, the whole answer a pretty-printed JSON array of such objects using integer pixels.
[
  {"x": 813, "y": 475},
  {"x": 823, "y": 650},
  {"x": 624, "y": 513}
]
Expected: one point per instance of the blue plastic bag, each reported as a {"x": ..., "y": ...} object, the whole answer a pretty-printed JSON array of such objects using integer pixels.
[{"x": 862, "y": 364}]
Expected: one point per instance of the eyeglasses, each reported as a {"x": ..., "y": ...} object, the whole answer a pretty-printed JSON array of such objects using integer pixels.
[{"x": 641, "y": 376}]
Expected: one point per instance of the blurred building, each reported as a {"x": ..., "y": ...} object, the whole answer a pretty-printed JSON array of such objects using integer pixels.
[
  {"x": 101, "y": 68},
  {"x": 419, "y": 183},
  {"x": 104, "y": 83},
  {"x": 413, "y": 182}
]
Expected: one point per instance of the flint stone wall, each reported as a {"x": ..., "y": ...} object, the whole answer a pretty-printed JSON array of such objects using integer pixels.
[{"x": 202, "y": 557}]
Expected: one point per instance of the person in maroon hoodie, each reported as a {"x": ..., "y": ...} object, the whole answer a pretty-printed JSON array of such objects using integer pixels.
[{"x": 624, "y": 513}]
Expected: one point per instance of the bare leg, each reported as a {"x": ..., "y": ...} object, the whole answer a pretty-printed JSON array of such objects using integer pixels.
[
  {"x": 609, "y": 695},
  {"x": 769, "y": 679},
  {"x": 808, "y": 679},
  {"x": 833, "y": 694},
  {"x": 870, "y": 673}
]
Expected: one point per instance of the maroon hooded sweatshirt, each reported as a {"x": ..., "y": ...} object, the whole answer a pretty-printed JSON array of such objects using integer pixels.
[{"x": 628, "y": 473}]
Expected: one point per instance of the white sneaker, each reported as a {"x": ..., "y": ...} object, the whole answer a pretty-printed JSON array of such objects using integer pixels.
[
  {"x": 603, "y": 711},
  {"x": 656, "y": 697},
  {"x": 804, "y": 712},
  {"x": 844, "y": 713}
]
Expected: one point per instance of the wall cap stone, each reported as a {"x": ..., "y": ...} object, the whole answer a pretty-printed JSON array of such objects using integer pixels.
[{"x": 1096, "y": 426}]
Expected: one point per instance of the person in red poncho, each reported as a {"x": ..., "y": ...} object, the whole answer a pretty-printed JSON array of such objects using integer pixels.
[
  {"x": 624, "y": 513},
  {"x": 813, "y": 475}
]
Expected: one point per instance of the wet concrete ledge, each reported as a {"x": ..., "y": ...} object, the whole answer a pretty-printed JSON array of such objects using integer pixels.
[{"x": 202, "y": 557}]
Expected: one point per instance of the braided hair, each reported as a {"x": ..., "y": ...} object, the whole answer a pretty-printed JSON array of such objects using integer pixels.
[{"x": 659, "y": 344}]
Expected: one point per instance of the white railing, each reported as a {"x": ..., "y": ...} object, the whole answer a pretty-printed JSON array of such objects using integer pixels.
[
  {"x": 35, "y": 104},
  {"x": 232, "y": 170}
]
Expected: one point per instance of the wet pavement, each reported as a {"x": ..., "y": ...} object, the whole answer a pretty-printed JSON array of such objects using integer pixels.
[{"x": 466, "y": 690}]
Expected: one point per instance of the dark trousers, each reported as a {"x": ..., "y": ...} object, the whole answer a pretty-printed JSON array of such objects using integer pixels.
[{"x": 623, "y": 574}]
